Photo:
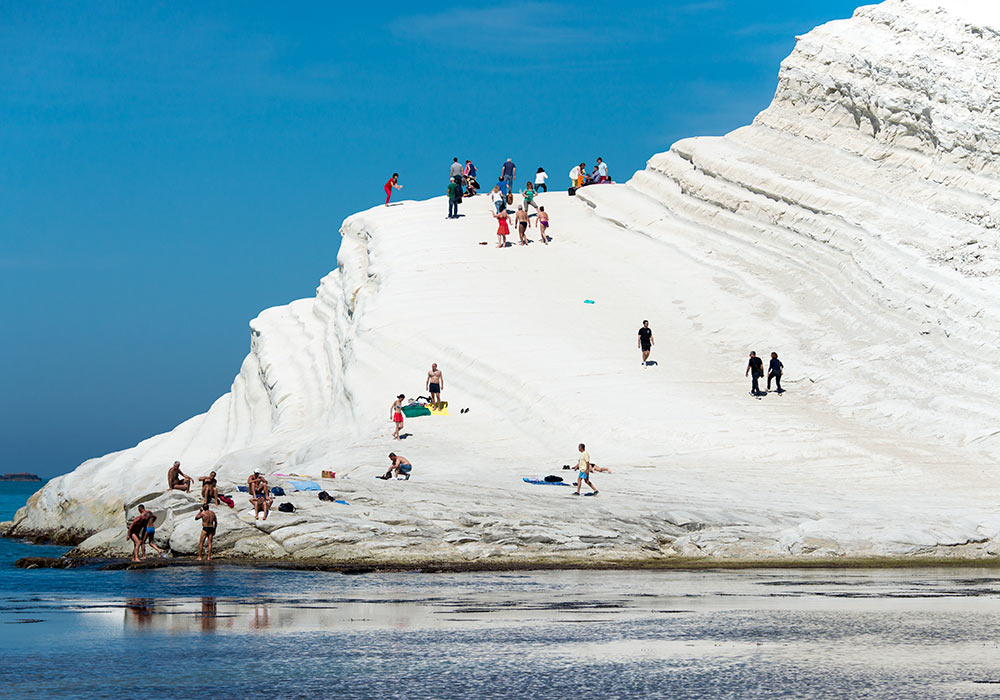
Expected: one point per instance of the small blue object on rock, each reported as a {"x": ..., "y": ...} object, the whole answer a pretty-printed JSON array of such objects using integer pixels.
[{"x": 589, "y": 301}]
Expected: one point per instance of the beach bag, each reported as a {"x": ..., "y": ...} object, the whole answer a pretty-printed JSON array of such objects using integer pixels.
[
  {"x": 286, "y": 507},
  {"x": 571, "y": 191},
  {"x": 324, "y": 496},
  {"x": 552, "y": 479},
  {"x": 277, "y": 491},
  {"x": 510, "y": 198}
]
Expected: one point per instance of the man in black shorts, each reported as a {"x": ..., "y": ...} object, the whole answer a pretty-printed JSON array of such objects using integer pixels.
[
  {"x": 755, "y": 367},
  {"x": 208, "y": 523},
  {"x": 435, "y": 383},
  {"x": 645, "y": 341}
]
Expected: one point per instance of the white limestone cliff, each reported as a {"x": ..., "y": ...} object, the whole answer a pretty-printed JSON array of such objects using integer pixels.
[{"x": 853, "y": 227}]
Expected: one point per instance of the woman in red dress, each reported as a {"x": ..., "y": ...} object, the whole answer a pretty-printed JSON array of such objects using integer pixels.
[
  {"x": 393, "y": 184},
  {"x": 502, "y": 229}
]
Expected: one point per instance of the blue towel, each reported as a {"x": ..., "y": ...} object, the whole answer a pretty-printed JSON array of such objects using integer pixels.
[
  {"x": 243, "y": 489},
  {"x": 342, "y": 502},
  {"x": 305, "y": 485},
  {"x": 543, "y": 482}
]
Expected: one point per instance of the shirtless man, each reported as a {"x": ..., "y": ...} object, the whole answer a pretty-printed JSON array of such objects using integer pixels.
[
  {"x": 149, "y": 535},
  {"x": 209, "y": 488},
  {"x": 208, "y": 524},
  {"x": 252, "y": 482},
  {"x": 521, "y": 219},
  {"x": 434, "y": 384},
  {"x": 137, "y": 531},
  {"x": 400, "y": 465},
  {"x": 176, "y": 479}
]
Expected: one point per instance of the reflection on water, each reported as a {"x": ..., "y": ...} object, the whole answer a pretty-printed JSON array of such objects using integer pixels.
[{"x": 794, "y": 634}]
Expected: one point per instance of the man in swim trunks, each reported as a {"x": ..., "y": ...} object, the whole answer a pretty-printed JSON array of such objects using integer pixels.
[
  {"x": 148, "y": 535},
  {"x": 137, "y": 530},
  {"x": 176, "y": 479},
  {"x": 400, "y": 465},
  {"x": 645, "y": 341},
  {"x": 209, "y": 521},
  {"x": 209, "y": 488},
  {"x": 521, "y": 218},
  {"x": 543, "y": 223},
  {"x": 435, "y": 382},
  {"x": 583, "y": 470}
]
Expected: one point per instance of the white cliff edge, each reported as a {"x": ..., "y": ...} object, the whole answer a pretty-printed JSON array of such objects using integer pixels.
[{"x": 853, "y": 227}]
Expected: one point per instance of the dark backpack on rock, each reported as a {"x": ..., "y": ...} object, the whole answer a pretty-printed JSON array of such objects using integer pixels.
[
  {"x": 324, "y": 496},
  {"x": 286, "y": 507},
  {"x": 552, "y": 479}
]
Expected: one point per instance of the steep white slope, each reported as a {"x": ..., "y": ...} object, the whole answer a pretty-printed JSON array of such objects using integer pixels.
[{"x": 851, "y": 227}]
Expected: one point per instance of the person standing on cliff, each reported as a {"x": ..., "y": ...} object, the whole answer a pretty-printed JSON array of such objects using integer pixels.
[
  {"x": 755, "y": 368},
  {"x": 392, "y": 184},
  {"x": 209, "y": 522},
  {"x": 456, "y": 171},
  {"x": 434, "y": 384},
  {"x": 503, "y": 228},
  {"x": 508, "y": 171},
  {"x": 583, "y": 469},
  {"x": 454, "y": 197},
  {"x": 645, "y": 341},
  {"x": 178, "y": 480},
  {"x": 602, "y": 172}
]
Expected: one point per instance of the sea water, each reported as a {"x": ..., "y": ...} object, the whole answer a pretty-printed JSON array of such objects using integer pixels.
[{"x": 229, "y": 632}]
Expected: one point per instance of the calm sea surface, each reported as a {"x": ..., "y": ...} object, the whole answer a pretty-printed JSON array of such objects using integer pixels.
[{"x": 226, "y": 632}]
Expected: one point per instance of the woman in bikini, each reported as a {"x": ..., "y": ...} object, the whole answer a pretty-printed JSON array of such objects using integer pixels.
[
  {"x": 543, "y": 223},
  {"x": 396, "y": 411}
]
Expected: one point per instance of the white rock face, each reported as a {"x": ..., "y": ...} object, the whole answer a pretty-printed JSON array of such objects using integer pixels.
[{"x": 853, "y": 228}]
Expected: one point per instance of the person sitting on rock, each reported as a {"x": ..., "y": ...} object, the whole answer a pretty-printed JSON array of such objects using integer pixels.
[
  {"x": 400, "y": 465},
  {"x": 209, "y": 488},
  {"x": 209, "y": 521},
  {"x": 252, "y": 483},
  {"x": 178, "y": 480}
]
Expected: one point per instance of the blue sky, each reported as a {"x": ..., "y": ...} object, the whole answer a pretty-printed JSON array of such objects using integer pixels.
[{"x": 170, "y": 169}]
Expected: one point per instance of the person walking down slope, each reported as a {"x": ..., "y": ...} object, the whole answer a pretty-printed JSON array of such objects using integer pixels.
[
  {"x": 540, "y": 177},
  {"x": 755, "y": 368},
  {"x": 774, "y": 369},
  {"x": 454, "y": 195},
  {"x": 392, "y": 184},
  {"x": 645, "y": 341},
  {"x": 396, "y": 412},
  {"x": 583, "y": 470},
  {"x": 508, "y": 171}
]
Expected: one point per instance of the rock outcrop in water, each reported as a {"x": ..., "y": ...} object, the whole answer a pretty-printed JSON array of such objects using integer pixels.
[{"x": 853, "y": 227}]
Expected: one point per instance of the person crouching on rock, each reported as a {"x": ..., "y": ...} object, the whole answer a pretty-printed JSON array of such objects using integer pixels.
[
  {"x": 396, "y": 411},
  {"x": 209, "y": 521},
  {"x": 209, "y": 488},
  {"x": 400, "y": 465},
  {"x": 137, "y": 531},
  {"x": 178, "y": 480}
]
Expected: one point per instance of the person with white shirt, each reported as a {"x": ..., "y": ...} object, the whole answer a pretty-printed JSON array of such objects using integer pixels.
[
  {"x": 574, "y": 176},
  {"x": 540, "y": 177},
  {"x": 602, "y": 171},
  {"x": 499, "y": 201}
]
